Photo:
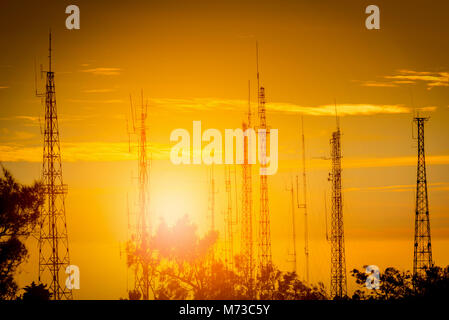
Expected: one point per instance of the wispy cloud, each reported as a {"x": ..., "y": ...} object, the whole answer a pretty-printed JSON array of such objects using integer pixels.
[
  {"x": 426, "y": 109},
  {"x": 322, "y": 110},
  {"x": 97, "y": 90},
  {"x": 199, "y": 104},
  {"x": 431, "y": 79},
  {"x": 343, "y": 109},
  {"x": 84, "y": 151},
  {"x": 26, "y": 120},
  {"x": 103, "y": 71},
  {"x": 105, "y": 101},
  {"x": 401, "y": 188},
  {"x": 403, "y": 76},
  {"x": 390, "y": 161},
  {"x": 15, "y": 135},
  {"x": 378, "y": 84},
  {"x": 320, "y": 163}
]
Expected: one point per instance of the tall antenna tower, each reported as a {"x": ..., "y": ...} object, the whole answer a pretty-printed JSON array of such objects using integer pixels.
[
  {"x": 229, "y": 222},
  {"x": 292, "y": 190},
  {"x": 140, "y": 237},
  {"x": 265, "y": 259},
  {"x": 53, "y": 238},
  {"x": 212, "y": 193},
  {"x": 304, "y": 204},
  {"x": 247, "y": 203},
  {"x": 422, "y": 258},
  {"x": 338, "y": 263}
]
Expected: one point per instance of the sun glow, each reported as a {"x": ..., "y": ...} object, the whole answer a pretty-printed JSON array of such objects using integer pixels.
[{"x": 174, "y": 202}]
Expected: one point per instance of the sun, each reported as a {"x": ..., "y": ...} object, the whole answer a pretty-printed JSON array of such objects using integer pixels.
[{"x": 174, "y": 202}]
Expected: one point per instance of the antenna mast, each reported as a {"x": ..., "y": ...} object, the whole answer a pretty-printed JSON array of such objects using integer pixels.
[
  {"x": 422, "y": 258},
  {"x": 292, "y": 190},
  {"x": 265, "y": 259},
  {"x": 247, "y": 250},
  {"x": 53, "y": 237},
  {"x": 229, "y": 222},
  {"x": 212, "y": 193},
  {"x": 138, "y": 245},
  {"x": 304, "y": 204},
  {"x": 338, "y": 262}
]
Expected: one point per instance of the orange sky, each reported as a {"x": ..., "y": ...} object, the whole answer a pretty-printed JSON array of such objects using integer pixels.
[{"x": 193, "y": 60}]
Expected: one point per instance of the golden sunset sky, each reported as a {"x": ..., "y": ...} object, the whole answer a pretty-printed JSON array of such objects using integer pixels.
[{"x": 193, "y": 59}]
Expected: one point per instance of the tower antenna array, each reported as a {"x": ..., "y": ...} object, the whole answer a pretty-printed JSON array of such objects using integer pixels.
[
  {"x": 247, "y": 203},
  {"x": 422, "y": 258},
  {"x": 338, "y": 263},
  {"x": 212, "y": 193},
  {"x": 53, "y": 237},
  {"x": 229, "y": 221},
  {"x": 293, "y": 261},
  {"x": 304, "y": 204},
  {"x": 265, "y": 258},
  {"x": 141, "y": 233}
]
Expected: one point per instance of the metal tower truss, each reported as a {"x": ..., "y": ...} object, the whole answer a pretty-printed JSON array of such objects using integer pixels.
[
  {"x": 264, "y": 255},
  {"x": 247, "y": 250},
  {"x": 291, "y": 189},
  {"x": 303, "y": 205},
  {"x": 422, "y": 258},
  {"x": 53, "y": 238},
  {"x": 139, "y": 243},
  {"x": 338, "y": 263},
  {"x": 230, "y": 220}
]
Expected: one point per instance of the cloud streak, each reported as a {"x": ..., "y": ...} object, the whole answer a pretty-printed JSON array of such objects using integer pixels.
[
  {"x": 408, "y": 77},
  {"x": 400, "y": 188},
  {"x": 103, "y": 71},
  {"x": 84, "y": 151},
  {"x": 206, "y": 104},
  {"x": 431, "y": 79},
  {"x": 97, "y": 90}
]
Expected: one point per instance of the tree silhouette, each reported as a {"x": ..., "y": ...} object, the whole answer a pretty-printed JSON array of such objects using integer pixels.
[
  {"x": 19, "y": 212},
  {"x": 186, "y": 266},
  {"x": 35, "y": 292},
  {"x": 402, "y": 285}
]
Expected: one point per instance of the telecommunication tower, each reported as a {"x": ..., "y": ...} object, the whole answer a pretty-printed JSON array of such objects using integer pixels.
[
  {"x": 247, "y": 203},
  {"x": 293, "y": 260},
  {"x": 422, "y": 258},
  {"x": 265, "y": 258},
  {"x": 229, "y": 221},
  {"x": 338, "y": 263},
  {"x": 53, "y": 238},
  {"x": 304, "y": 204},
  {"x": 140, "y": 236},
  {"x": 212, "y": 193}
]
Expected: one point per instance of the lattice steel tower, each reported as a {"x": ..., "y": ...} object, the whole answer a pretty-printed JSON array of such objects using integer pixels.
[
  {"x": 53, "y": 239},
  {"x": 247, "y": 204},
  {"x": 212, "y": 193},
  {"x": 304, "y": 204},
  {"x": 229, "y": 221},
  {"x": 338, "y": 263},
  {"x": 265, "y": 259},
  {"x": 293, "y": 255},
  {"x": 140, "y": 237},
  {"x": 422, "y": 258}
]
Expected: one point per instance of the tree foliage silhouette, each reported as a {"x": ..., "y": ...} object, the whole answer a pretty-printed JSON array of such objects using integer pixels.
[
  {"x": 19, "y": 213},
  {"x": 186, "y": 266},
  {"x": 35, "y": 292},
  {"x": 402, "y": 285}
]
